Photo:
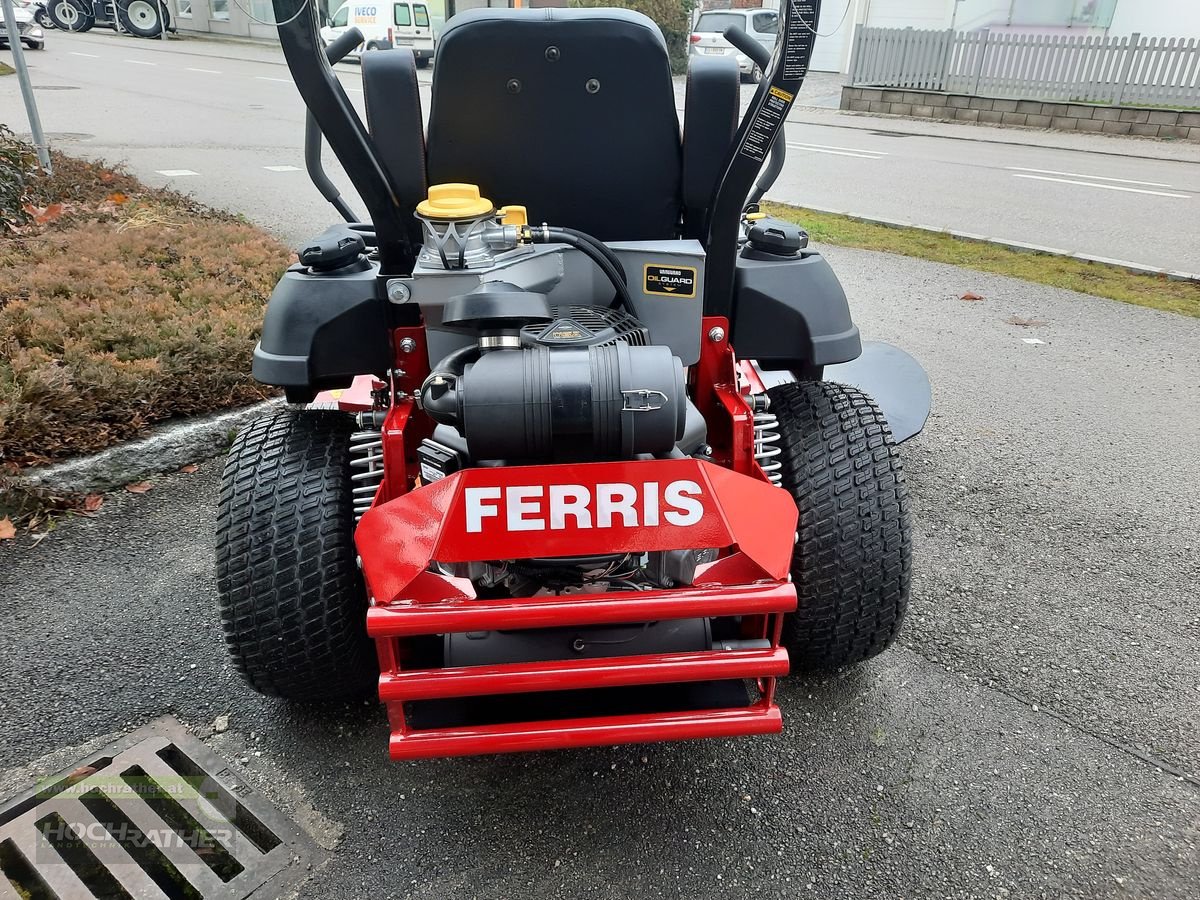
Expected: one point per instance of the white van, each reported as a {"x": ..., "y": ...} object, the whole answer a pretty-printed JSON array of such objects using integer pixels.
[{"x": 385, "y": 25}]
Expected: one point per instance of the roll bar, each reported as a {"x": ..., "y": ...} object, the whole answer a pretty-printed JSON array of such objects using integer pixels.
[
  {"x": 351, "y": 142},
  {"x": 327, "y": 102},
  {"x": 756, "y": 136},
  {"x": 335, "y": 53},
  {"x": 761, "y": 57}
]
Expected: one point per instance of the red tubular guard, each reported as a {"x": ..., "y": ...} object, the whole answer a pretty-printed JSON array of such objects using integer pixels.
[{"x": 509, "y": 513}]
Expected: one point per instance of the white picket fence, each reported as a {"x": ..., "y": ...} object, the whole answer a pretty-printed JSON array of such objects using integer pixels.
[{"x": 1129, "y": 71}]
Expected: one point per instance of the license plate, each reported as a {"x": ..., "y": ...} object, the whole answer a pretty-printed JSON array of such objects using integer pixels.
[
  {"x": 404, "y": 42},
  {"x": 715, "y": 50}
]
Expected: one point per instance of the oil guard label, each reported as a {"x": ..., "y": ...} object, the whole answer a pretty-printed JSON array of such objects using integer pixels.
[{"x": 670, "y": 281}]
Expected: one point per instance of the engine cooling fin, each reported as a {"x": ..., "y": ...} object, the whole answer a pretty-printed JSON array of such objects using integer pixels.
[{"x": 587, "y": 326}]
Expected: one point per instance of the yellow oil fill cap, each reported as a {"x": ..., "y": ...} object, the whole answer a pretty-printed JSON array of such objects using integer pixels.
[{"x": 454, "y": 201}]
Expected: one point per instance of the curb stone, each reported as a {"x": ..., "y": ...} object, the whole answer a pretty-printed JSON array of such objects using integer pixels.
[
  {"x": 167, "y": 449},
  {"x": 1016, "y": 246}
]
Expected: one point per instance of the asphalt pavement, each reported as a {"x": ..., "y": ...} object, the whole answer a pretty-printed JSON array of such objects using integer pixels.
[
  {"x": 223, "y": 121},
  {"x": 1036, "y": 732}
]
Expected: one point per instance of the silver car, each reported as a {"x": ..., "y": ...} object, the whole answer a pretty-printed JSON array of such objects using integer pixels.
[
  {"x": 708, "y": 36},
  {"x": 30, "y": 31}
]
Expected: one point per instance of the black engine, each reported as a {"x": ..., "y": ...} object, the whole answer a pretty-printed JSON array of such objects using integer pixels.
[{"x": 554, "y": 384}]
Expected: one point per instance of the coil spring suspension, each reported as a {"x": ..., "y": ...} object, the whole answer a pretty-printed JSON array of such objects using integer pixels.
[
  {"x": 766, "y": 438},
  {"x": 366, "y": 463}
]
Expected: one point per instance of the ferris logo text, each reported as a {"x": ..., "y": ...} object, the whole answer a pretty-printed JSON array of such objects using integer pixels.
[{"x": 557, "y": 507}]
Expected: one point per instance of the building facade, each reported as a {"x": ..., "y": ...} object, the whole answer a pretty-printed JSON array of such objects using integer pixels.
[{"x": 1150, "y": 18}]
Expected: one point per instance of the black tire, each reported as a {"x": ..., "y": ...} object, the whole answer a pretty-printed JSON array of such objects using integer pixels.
[
  {"x": 43, "y": 18},
  {"x": 292, "y": 601},
  {"x": 377, "y": 45},
  {"x": 68, "y": 16},
  {"x": 853, "y": 560},
  {"x": 142, "y": 18}
]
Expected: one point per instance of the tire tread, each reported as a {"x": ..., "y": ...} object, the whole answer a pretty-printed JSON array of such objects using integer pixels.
[
  {"x": 292, "y": 602},
  {"x": 852, "y": 565}
]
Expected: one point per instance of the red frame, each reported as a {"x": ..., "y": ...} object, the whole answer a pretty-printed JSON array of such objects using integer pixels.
[{"x": 751, "y": 522}]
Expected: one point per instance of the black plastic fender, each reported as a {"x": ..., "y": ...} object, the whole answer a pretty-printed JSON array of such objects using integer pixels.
[
  {"x": 791, "y": 312},
  {"x": 321, "y": 330}
]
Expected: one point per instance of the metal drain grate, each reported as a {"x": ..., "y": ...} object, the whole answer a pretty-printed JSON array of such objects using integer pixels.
[{"x": 157, "y": 815}]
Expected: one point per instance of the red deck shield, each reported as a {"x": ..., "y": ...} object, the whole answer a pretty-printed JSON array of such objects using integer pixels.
[{"x": 577, "y": 510}]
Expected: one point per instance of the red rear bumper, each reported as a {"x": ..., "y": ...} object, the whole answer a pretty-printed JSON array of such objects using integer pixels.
[{"x": 489, "y": 514}]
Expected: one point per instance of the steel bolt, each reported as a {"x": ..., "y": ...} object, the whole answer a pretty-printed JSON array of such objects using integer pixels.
[
  {"x": 398, "y": 292},
  {"x": 592, "y": 86},
  {"x": 407, "y": 345},
  {"x": 358, "y": 561},
  {"x": 716, "y": 334}
]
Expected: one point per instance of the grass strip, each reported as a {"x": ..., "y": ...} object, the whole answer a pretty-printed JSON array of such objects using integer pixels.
[{"x": 1098, "y": 279}]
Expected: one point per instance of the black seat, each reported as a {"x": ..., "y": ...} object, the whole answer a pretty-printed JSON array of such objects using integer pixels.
[{"x": 569, "y": 112}]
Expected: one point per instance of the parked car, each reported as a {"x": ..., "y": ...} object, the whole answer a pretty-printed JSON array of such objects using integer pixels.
[
  {"x": 708, "y": 37},
  {"x": 40, "y": 15},
  {"x": 30, "y": 31},
  {"x": 385, "y": 25}
]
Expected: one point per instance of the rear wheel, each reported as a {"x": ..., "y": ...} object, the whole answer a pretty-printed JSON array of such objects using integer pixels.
[
  {"x": 853, "y": 560},
  {"x": 292, "y": 601},
  {"x": 68, "y": 16},
  {"x": 376, "y": 45},
  {"x": 143, "y": 18}
]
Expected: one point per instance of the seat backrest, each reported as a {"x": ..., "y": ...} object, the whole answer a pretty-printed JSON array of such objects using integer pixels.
[{"x": 569, "y": 112}]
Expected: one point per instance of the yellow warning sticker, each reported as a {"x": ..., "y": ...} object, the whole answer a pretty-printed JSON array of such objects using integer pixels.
[{"x": 782, "y": 94}]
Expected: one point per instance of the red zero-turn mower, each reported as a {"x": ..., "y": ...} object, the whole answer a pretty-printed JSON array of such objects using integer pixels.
[{"x": 525, "y": 488}]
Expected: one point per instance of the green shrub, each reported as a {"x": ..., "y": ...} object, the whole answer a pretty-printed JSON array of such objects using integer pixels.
[
  {"x": 126, "y": 307},
  {"x": 17, "y": 163}
]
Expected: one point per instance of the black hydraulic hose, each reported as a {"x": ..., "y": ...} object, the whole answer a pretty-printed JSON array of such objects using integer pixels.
[
  {"x": 586, "y": 244},
  {"x": 761, "y": 57},
  {"x": 603, "y": 248}
]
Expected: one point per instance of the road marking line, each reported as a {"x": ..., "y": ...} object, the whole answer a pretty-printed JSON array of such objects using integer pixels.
[
  {"x": 1107, "y": 187},
  {"x": 269, "y": 78},
  {"x": 282, "y": 168},
  {"x": 1094, "y": 177},
  {"x": 176, "y": 173},
  {"x": 205, "y": 71},
  {"x": 834, "y": 147},
  {"x": 831, "y": 152},
  {"x": 1031, "y": 341},
  {"x": 88, "y": 55},
  {"x": 140, "y": 62}
]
